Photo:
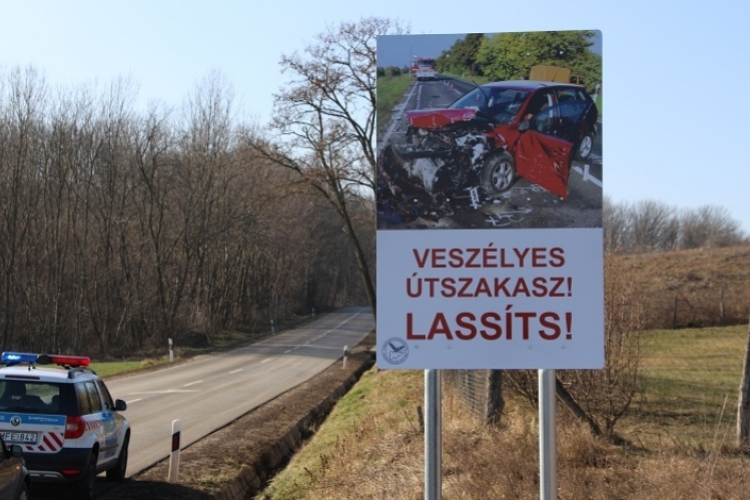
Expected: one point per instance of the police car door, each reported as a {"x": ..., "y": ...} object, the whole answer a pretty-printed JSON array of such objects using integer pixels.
[{"x": 109, "y": 419}]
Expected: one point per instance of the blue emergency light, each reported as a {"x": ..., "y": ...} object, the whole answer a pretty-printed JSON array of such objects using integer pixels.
[{"x": 13, "y": 358}]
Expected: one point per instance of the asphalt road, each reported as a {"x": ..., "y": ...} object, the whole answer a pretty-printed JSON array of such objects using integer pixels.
[
  {"x": 524, "y": 204},
  {"x": 209, "y": 392}
]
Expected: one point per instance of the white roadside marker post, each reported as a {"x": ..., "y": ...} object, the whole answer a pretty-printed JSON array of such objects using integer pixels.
[
  {"x": 174, "y": 456},
  {"x": 171, "y": 351},
  {"x": 346, "y": 355}
]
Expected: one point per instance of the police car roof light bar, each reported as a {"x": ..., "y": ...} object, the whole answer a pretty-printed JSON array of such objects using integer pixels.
[{"x": 14, "y": 358}]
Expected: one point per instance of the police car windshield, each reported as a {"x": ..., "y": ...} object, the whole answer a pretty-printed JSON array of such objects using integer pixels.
[{"x": 30, "y": 396}]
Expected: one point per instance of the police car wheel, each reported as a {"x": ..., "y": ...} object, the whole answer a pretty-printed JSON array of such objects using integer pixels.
[
  {"x": 84, "y": 488},
  {"x": 117, "y": 473}
]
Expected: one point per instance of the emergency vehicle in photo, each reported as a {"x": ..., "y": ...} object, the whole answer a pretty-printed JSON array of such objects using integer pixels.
[
  {"x": 424, "y": 68},
  {"x": 62, "y": 415}
]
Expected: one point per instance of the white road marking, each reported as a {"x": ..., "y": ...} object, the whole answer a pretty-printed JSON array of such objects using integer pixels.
[
  {"x": 235, "y": 371},
  {"x": 193, "y": 383},
  {"x": 587, "y": 177},
  {"x": 265, "y": 360},
  {"x": 133, "y": 400}
]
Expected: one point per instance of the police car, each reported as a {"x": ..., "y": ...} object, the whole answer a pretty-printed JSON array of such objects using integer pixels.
[{"x": 62, "y": 415}]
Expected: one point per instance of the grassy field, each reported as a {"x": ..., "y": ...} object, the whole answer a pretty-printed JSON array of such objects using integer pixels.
[
  {"x": 691, "y": 382},
  {"x": 111, "y": 368},
  {"x": 372, "y": 447},
  {"x": 390, "y": 91}
]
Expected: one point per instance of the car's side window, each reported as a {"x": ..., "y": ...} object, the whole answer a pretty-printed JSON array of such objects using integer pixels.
[
  {"x": 543, "y": 121},
  {"x": 96, "y": 402},
  {"x": 106, "y": 397},
  {"x": 561, "y": 120},
  {"x": 84, "y": 404}
]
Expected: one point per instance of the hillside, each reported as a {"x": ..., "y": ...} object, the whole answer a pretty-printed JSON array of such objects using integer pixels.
[{"x": 685, "y": 288}]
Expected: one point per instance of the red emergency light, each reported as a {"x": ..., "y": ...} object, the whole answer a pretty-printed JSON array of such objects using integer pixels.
[{"x": 71, "y": 361}]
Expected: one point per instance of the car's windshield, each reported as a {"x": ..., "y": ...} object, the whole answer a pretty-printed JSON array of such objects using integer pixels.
[{"x": 503, "y": 104}]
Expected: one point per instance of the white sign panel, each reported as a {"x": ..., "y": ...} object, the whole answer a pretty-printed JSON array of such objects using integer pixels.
[{"x": 490, "y": 299}]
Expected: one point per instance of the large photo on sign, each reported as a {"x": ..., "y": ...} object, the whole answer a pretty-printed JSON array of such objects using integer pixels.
[
  {"x": 489, "y": 200},
  {"x": 505, "y": 131}
]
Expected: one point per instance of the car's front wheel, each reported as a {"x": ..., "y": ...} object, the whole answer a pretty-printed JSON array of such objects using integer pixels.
[
  {"x": 585, "y": 146},
  {"x": 498, "y": 173}
]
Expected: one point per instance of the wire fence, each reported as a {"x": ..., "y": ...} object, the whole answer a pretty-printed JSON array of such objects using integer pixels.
[{"x": 480, "y": 391}]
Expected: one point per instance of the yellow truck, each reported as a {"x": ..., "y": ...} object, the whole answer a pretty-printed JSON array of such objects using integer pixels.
[{"x": 553, "y": 74}]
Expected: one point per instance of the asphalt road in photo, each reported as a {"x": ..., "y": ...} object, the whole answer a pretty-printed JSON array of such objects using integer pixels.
[{"x": 524, "y": 204}]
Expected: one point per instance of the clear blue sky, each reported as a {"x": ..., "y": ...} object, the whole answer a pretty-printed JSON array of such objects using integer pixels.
[{"x": 676, "y": 109}]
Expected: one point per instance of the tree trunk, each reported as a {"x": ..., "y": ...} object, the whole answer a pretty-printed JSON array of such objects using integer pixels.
[{"x": 573, "y": 405}]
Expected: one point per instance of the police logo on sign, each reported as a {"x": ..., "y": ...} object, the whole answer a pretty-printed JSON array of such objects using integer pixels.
[{"x": 395, "y": 350}]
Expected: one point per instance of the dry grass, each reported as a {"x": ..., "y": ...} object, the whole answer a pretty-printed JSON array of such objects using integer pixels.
[{"x": 380, "y": 455}]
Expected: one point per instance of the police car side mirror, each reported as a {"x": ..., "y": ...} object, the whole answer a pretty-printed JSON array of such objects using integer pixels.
[
  {"x": 120, "y": 405},
  {"x": 16, "y": 451}
]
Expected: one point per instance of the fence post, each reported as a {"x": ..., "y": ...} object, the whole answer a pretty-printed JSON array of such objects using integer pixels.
[{"x": 494, "y": 401}]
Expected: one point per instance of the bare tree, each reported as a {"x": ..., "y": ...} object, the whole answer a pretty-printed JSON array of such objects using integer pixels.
[
  {"x": 616, "y": 222},
  {"x": 654, "y": 226},
  {"x": 22, "y": 103},
  {"x": 606, "y": 395},
  {"x": 326, "y": 116},
  {"x": 600, "y": 398},
  {"x": 709, "y": 226}
]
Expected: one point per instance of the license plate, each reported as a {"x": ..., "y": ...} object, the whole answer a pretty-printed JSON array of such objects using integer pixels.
[{"x": 19, "y": 437}]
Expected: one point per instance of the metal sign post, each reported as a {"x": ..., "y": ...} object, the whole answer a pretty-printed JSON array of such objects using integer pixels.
[
  {"x": 547, "y": 436},
  {"x": 433, "y": 440}
]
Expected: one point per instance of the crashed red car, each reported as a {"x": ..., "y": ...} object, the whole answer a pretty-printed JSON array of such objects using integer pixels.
[{"x": 496, "y": 132}]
